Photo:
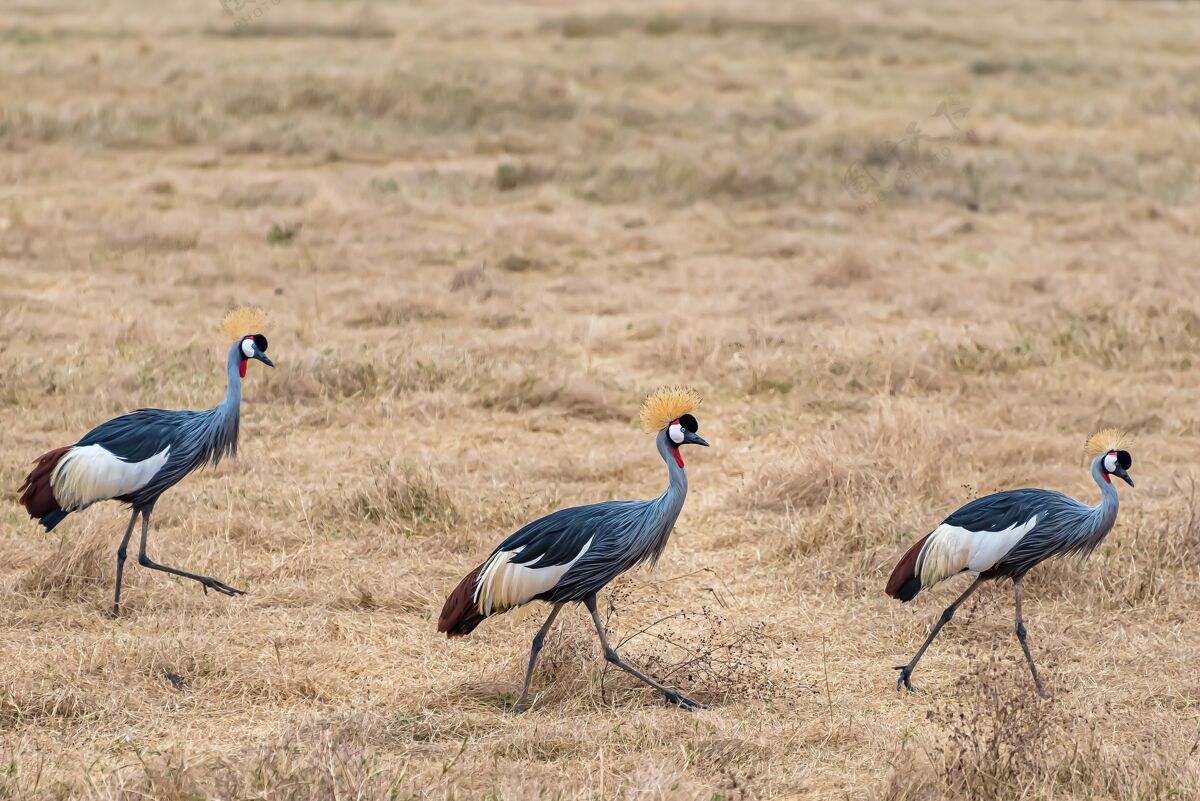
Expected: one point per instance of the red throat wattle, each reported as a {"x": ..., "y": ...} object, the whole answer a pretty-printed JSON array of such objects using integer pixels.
[
  {"x": 678, "y": 456},
  {"x": 242, "y": 368}
]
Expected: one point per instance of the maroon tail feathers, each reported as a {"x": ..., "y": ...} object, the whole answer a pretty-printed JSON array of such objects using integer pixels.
[
  {"x": 460, "y": 614},
  {"x": 905, "y": 583},
  {"x": 36, "y": 494}
]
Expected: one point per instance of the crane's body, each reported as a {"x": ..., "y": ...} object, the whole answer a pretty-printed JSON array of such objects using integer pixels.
[
  {"x": 137, "y": 457},
  {"x": 572, "y": 554},
  {"x": 1006, "y": 534}
]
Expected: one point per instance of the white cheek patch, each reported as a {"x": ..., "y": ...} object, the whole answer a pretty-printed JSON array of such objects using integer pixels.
[
  {"x": 675, "y": 432},
  {"x": 248, "y": 348},
  {"x": 1110, "y": 462}
]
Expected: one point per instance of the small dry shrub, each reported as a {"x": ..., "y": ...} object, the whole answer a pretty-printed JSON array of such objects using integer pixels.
[
  {"x": 702, "y": 653},
  {"x": 708, "y": 658},
  {"x": 1001, "y": 739},
  {"x": 997, "y": 739}
]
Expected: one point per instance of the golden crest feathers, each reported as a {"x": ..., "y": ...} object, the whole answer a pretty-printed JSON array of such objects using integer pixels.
[
  {"x": 666, "y": 404},
  {"x": 1108, "y": 439},
  {"x": 242, "y": 321}
]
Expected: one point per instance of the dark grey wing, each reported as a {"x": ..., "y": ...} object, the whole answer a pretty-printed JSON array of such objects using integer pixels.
[
  {"x": 558, "y": 538},
  {"x": 1060, "y": 521},
  {"x": 137, "y": 436},
  {"x": 1005, "y": 509},
  {"x": 140, "y": 435}
]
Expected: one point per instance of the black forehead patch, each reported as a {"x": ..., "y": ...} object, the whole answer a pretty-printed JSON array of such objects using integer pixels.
[
  {"x": 260, "y": 342},
  {"x": 1124, "y": 459},
  {"x": 689, "y": 423}
]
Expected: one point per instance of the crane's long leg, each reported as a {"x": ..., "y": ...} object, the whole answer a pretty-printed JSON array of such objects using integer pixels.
[
  {"x": 1024, "y": 643},
  {"x": 905, "y": 680},
  {"x": 538, "y": 639},
  {"x": 208, "y": 582},
  {"x": 121, "y": 551},
  {"x": 612, "y": 656}
]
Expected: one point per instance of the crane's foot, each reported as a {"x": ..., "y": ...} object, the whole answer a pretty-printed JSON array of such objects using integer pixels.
[
  {"x": 681, "y": 701},
  {"x": 905, "y": 680},
  {"x": 210, "y": 583}
]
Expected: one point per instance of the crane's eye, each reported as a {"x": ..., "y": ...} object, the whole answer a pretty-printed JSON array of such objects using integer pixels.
[
  {"x": 675, "y": 432},
  {"x": 1124, "y": 459},
  {"x": 1110, "y": 461},
  {"x": 248, "y": 347}
]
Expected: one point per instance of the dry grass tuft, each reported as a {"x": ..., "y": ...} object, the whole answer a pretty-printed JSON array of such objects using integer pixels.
[
  {"x": 578, "y": 397},
  {"x": 897, "y": 448},
  {"x": 400, "y": 501},
  {"x": 467, "y": 278},
  {"x": 850, "y": 266},
  {"x": 78, "y": 565}
]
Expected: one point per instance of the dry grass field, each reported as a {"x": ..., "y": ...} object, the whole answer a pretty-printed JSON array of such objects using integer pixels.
[{"x": 909, "y": 256}]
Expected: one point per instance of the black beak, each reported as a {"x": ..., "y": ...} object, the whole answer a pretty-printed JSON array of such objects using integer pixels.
[
  {"x": 262, "y": 357},
  {"x": 1121, "y": 473},
  {"x": 693, "y": 439}
]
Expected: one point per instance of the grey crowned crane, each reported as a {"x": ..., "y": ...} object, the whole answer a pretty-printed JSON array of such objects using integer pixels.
[
  {"x": 570, "y": 555},
  {"x": 1006, "y": 534},
  {"x": 137, "y": 457}
]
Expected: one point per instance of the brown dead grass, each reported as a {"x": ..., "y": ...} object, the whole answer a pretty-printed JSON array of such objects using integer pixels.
[{"x": 484, "y": 234}]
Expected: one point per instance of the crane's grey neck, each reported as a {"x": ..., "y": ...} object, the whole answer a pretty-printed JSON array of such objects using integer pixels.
[
  {"x": 233, "y": 366},
  {"x": 1104, "y": 514},
  {"x": 1108, "y": 493},
  {"x": 223, "y": 424},
  {"x": 659, "y": 515},
  {"x": 677, "y": 482}
]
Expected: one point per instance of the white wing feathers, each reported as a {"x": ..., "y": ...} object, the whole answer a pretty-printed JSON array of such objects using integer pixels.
[
  {"x": 89, "y": 473},
  {"x": 950, "y": 550},
  {"x": 503, "y": 585}
]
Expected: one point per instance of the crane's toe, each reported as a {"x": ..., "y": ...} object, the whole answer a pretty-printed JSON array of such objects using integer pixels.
[
  {"x": 682, "y": 701},
  {"x": 220, "y": 586},
  {"x": 904, "y": 682}
]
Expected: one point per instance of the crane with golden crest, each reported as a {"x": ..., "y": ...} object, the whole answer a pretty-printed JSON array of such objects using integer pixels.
[
  {"x": 570, "y": 555},
  {"x": 137, "y": 457},
  {"x": 1006, "y": 534}
]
